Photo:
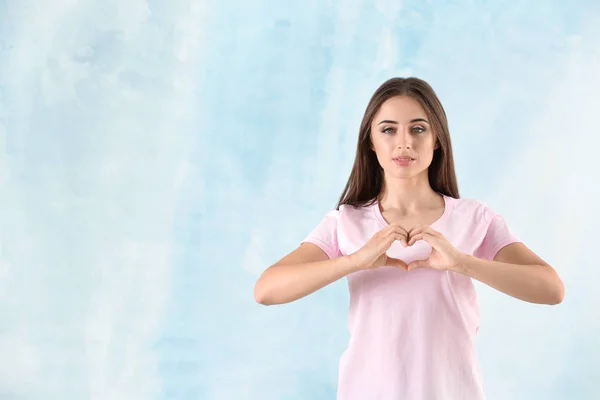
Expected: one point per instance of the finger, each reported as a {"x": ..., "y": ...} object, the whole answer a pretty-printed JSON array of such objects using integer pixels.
[
  {"x": 414, "y": 237},
  {"x": 401, "y": 237},
  {"x": 386, "y": 230},
  {"x": 395, "y": 262},
  {"x": 417, "y": 264},
  {"x": 423, "y": 228},
  {"x": 390, "y": 230},
  {"x": 430, "y": 230},
  {"x": 396, "y": 226},
  {"x": 396, "y": 229},
  {"x": 416, "y": 230},
  {"x": 395, "y": 235},
  {"x": 420, "y": 236}
]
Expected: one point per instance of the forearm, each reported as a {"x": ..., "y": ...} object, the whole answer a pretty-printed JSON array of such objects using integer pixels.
[
  {"x": 532, "y": 283},
  {"x": 285, "y": 283}
]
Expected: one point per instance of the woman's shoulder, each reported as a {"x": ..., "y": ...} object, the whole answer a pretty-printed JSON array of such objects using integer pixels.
[
  {"x": 345, "y": 216},
  {"x": 349, "y": 213},
  {"x": 356, "y": 211},
  {"x": 472, "y": 207}
]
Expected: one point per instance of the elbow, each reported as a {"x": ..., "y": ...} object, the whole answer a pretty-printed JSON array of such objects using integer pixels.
[
  {"x": 260, "y": 294},
  {"x": 270, "y": 289},
  {"x": 557, "y": 292},
  {"x": 261, "y": 299}
]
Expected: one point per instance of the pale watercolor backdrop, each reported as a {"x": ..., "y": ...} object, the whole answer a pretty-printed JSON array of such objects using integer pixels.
[{"x": 157, "y": 156}]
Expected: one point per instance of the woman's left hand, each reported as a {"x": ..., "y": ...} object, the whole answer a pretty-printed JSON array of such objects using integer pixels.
[{"x": 443, "y": 255}]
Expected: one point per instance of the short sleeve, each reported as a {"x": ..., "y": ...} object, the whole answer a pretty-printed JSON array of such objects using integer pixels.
[
  {"x": 498, "y": 235},
  {"x": 324, "y": 234}
]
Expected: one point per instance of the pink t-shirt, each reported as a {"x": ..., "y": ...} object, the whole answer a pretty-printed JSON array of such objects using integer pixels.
[{"x": 412, "y": 333}]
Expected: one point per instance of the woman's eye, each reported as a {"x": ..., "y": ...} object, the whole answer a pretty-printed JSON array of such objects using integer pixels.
[{"x": 415, "y": 129}]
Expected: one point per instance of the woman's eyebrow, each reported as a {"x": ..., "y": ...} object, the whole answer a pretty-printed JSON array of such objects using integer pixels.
[{"x": 389, "y": 121}]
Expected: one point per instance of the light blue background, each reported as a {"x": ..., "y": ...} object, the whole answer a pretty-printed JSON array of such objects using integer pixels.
[{"x": 157, "y": 156}]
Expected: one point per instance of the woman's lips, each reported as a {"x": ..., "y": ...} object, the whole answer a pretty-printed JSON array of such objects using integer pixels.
[{"x": 404, "y": 161}]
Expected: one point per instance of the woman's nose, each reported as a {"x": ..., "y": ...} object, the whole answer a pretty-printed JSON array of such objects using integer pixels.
[{"x": 404, "y": 140}]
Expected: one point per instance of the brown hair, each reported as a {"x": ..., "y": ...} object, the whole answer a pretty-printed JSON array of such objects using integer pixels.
[{"x": 366, "y": 179}]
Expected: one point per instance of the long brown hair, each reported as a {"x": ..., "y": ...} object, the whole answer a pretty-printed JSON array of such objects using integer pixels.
[{"x": 366, "y": 179}]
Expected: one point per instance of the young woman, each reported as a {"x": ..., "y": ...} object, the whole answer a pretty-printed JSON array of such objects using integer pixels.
[{"x": 409, "y": 247}]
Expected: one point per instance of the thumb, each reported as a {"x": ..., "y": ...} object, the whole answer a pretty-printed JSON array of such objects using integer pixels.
[
  {"x": 417, "y": 264},
  {"x": 395, "y": 262}
]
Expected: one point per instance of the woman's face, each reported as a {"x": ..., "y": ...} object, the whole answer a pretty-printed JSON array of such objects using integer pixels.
[{"x": 402, "y": 138}]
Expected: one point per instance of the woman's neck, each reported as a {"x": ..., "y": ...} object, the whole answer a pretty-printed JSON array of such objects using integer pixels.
[{"x": 409, "y": 197}]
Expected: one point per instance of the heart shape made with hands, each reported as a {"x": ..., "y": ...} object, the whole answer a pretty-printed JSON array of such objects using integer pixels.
[
  {"x": 436, "y": 251},
  {"x": 413, "y": 239}
]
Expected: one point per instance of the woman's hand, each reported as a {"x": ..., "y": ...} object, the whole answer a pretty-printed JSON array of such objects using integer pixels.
[
  {"x": 443, "y": 255},
  {"x": 372, "y": 254}
]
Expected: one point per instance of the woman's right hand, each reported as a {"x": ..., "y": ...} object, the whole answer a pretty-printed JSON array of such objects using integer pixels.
[{"x": 373, "y": 253}]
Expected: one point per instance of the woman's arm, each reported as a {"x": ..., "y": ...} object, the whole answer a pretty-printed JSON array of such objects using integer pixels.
[
  {"x": 300, "y": 273},
  {"x": 518, "y": 272}
]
